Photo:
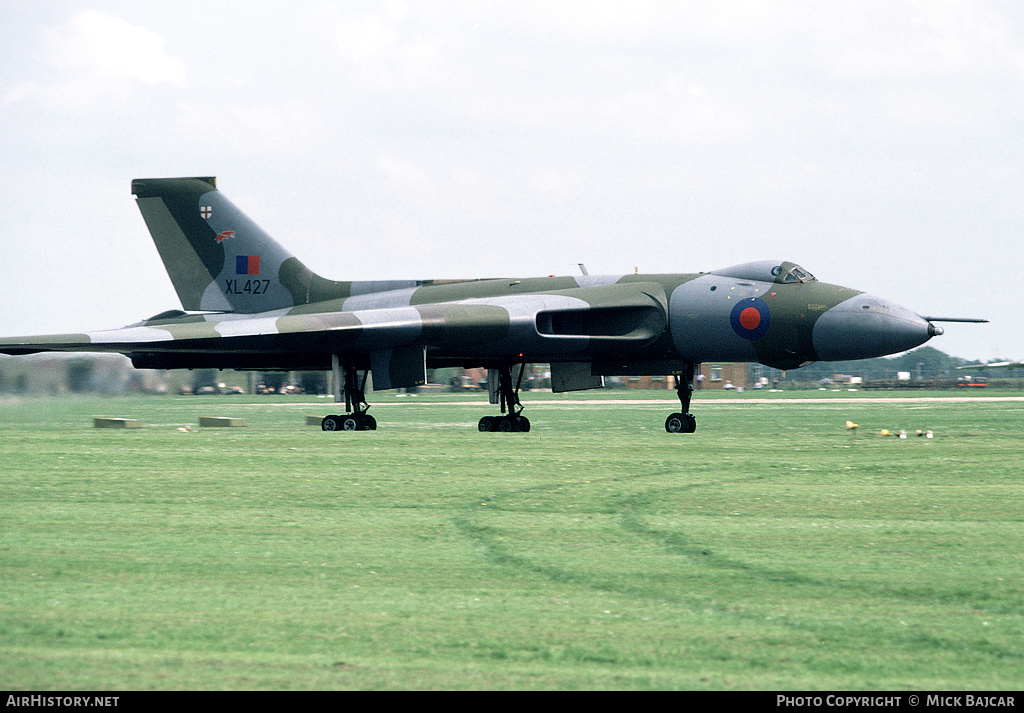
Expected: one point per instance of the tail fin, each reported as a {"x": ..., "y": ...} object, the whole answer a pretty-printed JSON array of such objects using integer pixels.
[{"x": 218, "y": 259}]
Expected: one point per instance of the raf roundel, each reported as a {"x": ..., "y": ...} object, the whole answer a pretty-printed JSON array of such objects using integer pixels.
[{"x": 750, "y": 318}]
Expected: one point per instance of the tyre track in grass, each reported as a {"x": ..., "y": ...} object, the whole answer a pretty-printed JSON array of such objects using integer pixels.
[{"x": 630, "y": 511}]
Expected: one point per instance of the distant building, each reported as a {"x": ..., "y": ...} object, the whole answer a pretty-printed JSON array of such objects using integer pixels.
[
  {"x": 711, "y": 376},
  {"x": 723, "y": 376},
  {"x": 57, "y": 374},
  {"x": 650, "y": 382}
]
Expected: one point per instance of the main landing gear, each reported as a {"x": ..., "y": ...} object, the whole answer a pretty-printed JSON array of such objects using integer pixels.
[
  {"x": 683, "y": 422},
  {"x": 355, "y": 418},
  {"x": 513, "y": 421},
  {"x": 349, "y": 422}
]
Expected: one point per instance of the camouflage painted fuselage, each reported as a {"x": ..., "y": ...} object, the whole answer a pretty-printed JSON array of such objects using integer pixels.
[{"x": 250, "y": 304}]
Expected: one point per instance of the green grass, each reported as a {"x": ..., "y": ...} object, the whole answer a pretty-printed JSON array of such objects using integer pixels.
[{"x": 773, "y": 549}]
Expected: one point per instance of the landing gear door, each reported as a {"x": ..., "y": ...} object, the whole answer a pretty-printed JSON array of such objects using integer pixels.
[
  {"x": 492, "y": 386},
  {"x": 574, "y": 376},
  {"x": 399, "y": 368},
  {"x": 494, "y": 382}
]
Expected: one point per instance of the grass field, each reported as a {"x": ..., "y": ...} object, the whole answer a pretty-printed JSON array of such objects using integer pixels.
[{"x": 773, "y": 549}]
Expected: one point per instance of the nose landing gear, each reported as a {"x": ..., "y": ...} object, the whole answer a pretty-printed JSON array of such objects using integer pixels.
[{"x": 683, "y": 422}]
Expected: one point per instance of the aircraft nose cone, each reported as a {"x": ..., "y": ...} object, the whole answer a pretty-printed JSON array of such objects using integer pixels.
[{"x": 865, "y": 326}]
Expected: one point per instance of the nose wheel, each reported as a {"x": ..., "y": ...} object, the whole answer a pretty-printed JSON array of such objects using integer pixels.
[{"x": 681, "y": 423}]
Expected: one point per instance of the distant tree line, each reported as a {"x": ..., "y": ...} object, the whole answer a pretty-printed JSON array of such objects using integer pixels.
[{"x": 922, "y": 364}]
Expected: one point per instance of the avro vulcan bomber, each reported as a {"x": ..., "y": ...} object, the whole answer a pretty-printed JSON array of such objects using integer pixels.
[{"x": 249, "y": 304}]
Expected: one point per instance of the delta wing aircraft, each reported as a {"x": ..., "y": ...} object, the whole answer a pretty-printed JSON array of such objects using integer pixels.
[{"x": 249, "y": 304}]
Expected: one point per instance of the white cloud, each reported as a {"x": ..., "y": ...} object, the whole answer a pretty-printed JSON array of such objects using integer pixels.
[
  {"x": 91, "y": 58},
  {"x": 95, "y": 43},
  {"x": 384, "y": 52}
]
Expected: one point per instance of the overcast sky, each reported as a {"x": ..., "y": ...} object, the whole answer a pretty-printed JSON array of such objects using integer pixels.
[{"x": 880, "y": 145}]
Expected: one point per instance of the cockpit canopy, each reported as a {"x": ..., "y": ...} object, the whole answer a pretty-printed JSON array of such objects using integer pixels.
[{"x": 783, "y": 273}]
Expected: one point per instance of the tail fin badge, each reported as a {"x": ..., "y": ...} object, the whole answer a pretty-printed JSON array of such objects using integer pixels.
[
  {"x": 247, "y": 264},
  {"x": 206, "y": 211},
  {"x": 221, "y": 237}
]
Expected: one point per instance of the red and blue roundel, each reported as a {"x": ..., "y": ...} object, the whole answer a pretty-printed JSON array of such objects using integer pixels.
[{"x": 750, "y": 318}]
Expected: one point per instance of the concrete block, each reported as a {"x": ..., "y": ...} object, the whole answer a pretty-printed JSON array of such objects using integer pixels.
[
  {"x": 221, "y": 422},
  {"x": 115, "y": 422}
]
